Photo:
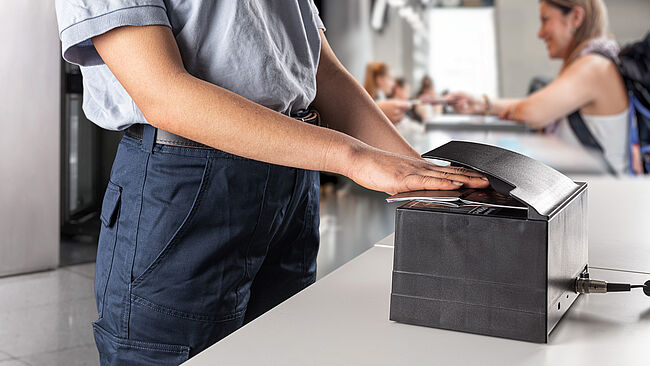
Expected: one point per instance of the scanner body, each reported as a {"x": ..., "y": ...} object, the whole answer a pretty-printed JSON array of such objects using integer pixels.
[{"x": 497, "y": 272}]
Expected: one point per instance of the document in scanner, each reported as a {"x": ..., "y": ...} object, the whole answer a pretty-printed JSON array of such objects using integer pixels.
[{"x": 460, "y": 198}]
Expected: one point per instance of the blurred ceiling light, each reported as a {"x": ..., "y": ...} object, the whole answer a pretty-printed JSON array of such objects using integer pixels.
[
  {"x": 378, "y": 15},
  {"x": 397, "y": 3}
]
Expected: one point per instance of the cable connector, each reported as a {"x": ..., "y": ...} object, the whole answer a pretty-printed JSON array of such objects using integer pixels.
[{"x": 589, "y": 286}]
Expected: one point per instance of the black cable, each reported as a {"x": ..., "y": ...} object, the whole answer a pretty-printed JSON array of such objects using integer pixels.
[
  {"x": 618, "y": 287},
  {"x": 589, "y": 286}
]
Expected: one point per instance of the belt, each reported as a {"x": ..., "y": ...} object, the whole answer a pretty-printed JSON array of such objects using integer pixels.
[{"x": 163, "y": 137}]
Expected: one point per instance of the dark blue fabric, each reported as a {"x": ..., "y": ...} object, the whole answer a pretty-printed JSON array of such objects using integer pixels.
[{"x": 194, "y": 243}]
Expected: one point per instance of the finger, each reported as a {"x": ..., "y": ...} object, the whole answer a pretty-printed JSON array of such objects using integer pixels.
[
  {"x": 458, "y": 170},
  {"x": 454, "y": 97},
  {"x": 403, "y": 104},
  {"x": 425, "y": 182},
  {"x": 468, "y": 181}
]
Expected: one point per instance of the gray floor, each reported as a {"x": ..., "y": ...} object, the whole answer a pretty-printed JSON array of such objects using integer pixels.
[{"x": 45, "y": 317}]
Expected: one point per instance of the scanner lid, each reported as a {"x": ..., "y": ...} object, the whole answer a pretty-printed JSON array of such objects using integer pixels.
[{"x": 536, "y": 185}]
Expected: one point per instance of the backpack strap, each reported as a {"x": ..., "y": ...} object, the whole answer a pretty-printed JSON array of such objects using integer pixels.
[
  {"x": 587, "y": 139},
  {"x": 606, "y": 55},
  {"x": 582, "y": 132}
]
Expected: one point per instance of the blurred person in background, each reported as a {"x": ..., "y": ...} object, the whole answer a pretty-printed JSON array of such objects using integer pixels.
[
  {"x": 402, "y": 89},
  {"x": 576, "y": 32},
  {"x": 380, "y": 83},
  {"x": 412, "y": 121},
  {"x": 427, "y": 94}
]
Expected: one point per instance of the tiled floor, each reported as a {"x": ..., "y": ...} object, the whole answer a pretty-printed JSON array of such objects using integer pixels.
[{"x": 45, "y": 318}]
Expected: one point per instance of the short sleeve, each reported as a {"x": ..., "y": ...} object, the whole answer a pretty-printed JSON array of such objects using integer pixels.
[
  {"x": 316, "y": 14},
  {"x": 80, "y": 20}
]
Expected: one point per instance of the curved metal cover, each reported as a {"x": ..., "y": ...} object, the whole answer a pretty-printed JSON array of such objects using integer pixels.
[{"x": 531, "y": 182}]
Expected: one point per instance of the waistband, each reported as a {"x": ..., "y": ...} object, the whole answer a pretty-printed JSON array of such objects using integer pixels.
[{"x": 141, "y": 131}]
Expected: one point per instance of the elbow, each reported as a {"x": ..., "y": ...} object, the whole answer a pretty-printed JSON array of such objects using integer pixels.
[
  {"x": 535, "y": 120},
  {"x": 154, "y": 101},
  {"x": 154, "y": 113},
  {"x": 158, "y": 108},
  {"x": 536, "y": 123}
]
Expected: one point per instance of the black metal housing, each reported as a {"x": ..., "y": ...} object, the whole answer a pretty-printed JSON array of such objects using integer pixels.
[{"x": 498, "y": 272}]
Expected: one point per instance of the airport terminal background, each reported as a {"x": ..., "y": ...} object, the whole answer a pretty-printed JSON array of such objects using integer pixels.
[{"x": 46, "y": 276}]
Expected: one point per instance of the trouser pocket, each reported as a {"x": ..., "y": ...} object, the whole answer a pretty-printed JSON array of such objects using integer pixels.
[
  {"x": 120, "y": 351},
  {"x": 107, "y": 239}
]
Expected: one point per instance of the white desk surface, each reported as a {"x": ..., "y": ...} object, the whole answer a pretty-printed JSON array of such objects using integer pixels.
[
  {"x": 473, "y": 123},
  {"x": 550, "y": 150},
  {"x": 343, "y": 320}
]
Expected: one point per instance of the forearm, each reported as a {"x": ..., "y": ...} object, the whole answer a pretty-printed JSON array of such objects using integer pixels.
[
  {"x": 147, "y": 63},
  {"x": 578, "y": 86},
  {"x": 345, "y": 106},
  {"x": 224, "y": 120}
]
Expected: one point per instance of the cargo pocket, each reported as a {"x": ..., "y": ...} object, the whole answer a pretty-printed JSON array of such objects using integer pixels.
[
  {"x": 121, "y": 351},
  {"x": 107, "y": 238}
]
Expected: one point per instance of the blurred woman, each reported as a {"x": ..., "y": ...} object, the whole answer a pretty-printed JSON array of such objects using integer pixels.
[
  {"x": 412, "y": 122},
  {"x": 402, "y": 89},
  {"x": 427, "y": 95},
  {"x": 426, "y": 88},
  {"x": 575, "y": 31},
  {"x": 379, "y": 83}
]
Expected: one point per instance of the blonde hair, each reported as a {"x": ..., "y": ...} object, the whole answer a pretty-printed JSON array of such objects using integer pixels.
[
  {"x": 374, "y": 70},
  {"x": 594, "y": 25}
]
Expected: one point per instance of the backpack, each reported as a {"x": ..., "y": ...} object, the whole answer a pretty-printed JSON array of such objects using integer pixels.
[{"x": 633, "y": 64}]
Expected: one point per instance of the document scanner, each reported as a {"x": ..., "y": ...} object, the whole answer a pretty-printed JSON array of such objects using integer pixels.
[{"x": 487, "y": 270}]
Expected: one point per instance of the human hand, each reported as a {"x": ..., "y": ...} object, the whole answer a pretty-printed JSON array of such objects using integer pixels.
[
  {"x": 394, "y": 109},
  {"x": 464, "y": 103},
  {"x": 428, "y": 98},
  {"x": 391, "y": 173}
]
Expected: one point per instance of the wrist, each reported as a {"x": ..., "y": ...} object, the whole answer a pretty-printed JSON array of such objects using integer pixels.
[
  {"x": 487, "y": 105},
  {"x": 341, "y": 154}
]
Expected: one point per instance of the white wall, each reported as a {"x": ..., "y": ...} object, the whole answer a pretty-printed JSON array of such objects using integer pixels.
[
  {"x": 355, "y": 43},
  {"x": 463, "y": 50},
  {"x": 349, "y": 33},
  {"x": 30, "y": 137},
  {"x": 522, "y": 55}
]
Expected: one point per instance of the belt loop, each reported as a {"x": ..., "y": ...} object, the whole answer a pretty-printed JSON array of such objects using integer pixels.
[{"x": 148, "y": 138}]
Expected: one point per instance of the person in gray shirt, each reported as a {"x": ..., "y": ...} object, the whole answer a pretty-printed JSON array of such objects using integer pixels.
[{"x": 210, "y": 216}]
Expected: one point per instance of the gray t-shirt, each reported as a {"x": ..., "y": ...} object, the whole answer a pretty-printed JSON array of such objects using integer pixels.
[{"x": 264, "y": 50}]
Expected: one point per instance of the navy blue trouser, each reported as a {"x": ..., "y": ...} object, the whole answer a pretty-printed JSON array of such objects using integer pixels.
[{"x": 194, "y": 243}]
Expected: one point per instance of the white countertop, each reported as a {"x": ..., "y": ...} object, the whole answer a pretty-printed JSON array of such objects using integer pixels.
[{"x": 343, "y": 318}]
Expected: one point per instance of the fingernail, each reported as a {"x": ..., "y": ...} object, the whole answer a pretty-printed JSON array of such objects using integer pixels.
[
  {"x": 457, "y": 183},
  {"x": 485, "y": 179}
]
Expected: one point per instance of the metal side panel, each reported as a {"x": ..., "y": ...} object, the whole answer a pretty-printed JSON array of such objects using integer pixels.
[{"x": 567, "y": 256}]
